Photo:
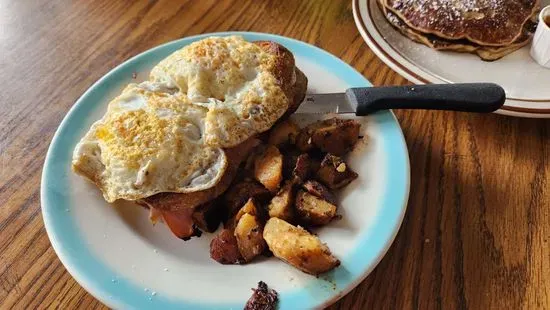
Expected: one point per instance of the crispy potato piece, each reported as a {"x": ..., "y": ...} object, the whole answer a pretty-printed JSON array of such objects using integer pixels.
[
  {"x": 336, "y": 136},
  {"x": 304, "y": 140},
  {"x": 334, "y": 172},
  {"x": 207, "y": 216},
  {"x": 249, "y": 235},
  {"x": 248, "y": 165},
  {"x": 297, "y": 247},
  {"x": 315, "y": 188},
  {"x": 297, "y": 166},
  {"x": 302, "y": 168},
  {"x": 249, "y": 207},
  {"x": 290, "y": 155},
  {"x": 281, "y": 206},
  {"x": 224, "y": 248},
  {"x": 283, "y": 133},
  {"x": 314, "y": 210},
  {"x": 238, "y": 194},
  {"x": 268, "y": 168}
]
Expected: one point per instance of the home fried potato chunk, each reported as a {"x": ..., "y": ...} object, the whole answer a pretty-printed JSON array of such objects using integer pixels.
[
  {"x": 268, "y": 168},
  {"x": 314, "y": 210},
  {"x": 315, "y": 188},
  {"x": 238, "y": 194},
  {"x": 334, "y": 172},
  {"x": 249, "y": 207},
  {"x": 282, "y": 204},
  {"x": 249, "y": 235},
  {"x": 297, "y": 247},
  {"x": 335, "y": 136},
  {"x": 283, "y": 133}
]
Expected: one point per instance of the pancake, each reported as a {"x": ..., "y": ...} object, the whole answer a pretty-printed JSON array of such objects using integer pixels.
[
  {"x": 484, "y": 22},
  {"x": 488, "y": 53}
]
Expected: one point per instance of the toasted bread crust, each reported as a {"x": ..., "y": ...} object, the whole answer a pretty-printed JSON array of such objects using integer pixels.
[{"x": 290, "y": 78}]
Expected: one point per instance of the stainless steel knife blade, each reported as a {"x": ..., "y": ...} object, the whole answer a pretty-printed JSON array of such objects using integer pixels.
[{"x": 326, "y": 103}]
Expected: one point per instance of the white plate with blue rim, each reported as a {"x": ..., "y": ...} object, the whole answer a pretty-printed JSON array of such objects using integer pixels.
[{"x": 123, "y": 260}]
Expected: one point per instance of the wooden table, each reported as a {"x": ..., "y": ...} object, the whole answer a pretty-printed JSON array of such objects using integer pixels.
[{"x": 477, "y": 231}]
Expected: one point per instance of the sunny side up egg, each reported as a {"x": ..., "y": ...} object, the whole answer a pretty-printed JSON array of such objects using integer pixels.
[{"x": 168, "y": 134}]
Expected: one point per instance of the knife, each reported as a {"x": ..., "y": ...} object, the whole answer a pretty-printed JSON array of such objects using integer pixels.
[{"x": 467, "y": 97}]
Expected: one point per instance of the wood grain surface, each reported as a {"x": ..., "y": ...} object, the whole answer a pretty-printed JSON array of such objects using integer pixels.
[{"x": 477, "y": 231}]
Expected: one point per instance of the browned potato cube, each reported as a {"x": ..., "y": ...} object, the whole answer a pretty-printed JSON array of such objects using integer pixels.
[
  {"x": 315, "y": 188},
  {"x": 336, "y": 136},
  {"x": 283, "y": 133},
  {"x": 268, "y": 168},
  {"x": 297, "y": 166},
  {"x": 281, "y": 205},
  {"x": 249, "y": 207},
  {"x": 297, "y": 247},
  {"x": 289, "y": 162},
  {"x": 238, "y": 194},
  {"x": 249, "y": 235},
  {"x": 302, "y": 168},
  {"x": 224, "y": 248},
  {"x": 314, "y": 210},
  {"x": 334, "y": 172},
  {"x": 304, "y": 140}
]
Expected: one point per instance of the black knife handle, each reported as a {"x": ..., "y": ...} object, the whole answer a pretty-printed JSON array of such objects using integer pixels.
[{"x": 470, "y": 97}]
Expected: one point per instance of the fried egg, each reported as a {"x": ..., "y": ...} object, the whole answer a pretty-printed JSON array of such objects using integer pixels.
[
  {"x": 233, "y": 79},
  {"x": 168, "y": 134}
]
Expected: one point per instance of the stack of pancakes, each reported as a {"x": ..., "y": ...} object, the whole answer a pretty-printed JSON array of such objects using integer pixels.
[{"x": 489, "y": 28}]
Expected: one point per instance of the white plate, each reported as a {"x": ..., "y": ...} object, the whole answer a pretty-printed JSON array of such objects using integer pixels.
[
  {"x": 526, "y": 83},
  {"x": 117, "y": 255}
]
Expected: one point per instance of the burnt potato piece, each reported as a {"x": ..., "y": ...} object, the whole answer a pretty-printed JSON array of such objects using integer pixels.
[
  {"x": 315, "y": 188},
  {"x": 268, "y": 168},
  {"x": 334, "y": 172},
  {"x": 224, "y": 248},
  {"x": 238, "y": 194},
  {"x": 207, "y": 216},
  {"x": 297, "y": 247},
  {"x": 283, "y": 133},
  {"x": 282, "y": 204},
  {"x": 314, "y": 210},
  {"x": 263, "y": 298},
  {"x": 335, "y": 136}
]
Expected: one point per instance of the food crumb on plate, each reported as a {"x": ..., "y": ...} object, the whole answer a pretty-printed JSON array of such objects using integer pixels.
[{"x": 263, "y": 298}]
